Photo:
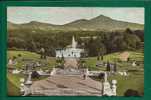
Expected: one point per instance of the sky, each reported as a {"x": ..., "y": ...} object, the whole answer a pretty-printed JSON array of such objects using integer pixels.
[{"x": 63, "y": 15}]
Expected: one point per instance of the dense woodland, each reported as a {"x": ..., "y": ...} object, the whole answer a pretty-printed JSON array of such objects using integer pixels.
[{"x": 93, "y": 42}]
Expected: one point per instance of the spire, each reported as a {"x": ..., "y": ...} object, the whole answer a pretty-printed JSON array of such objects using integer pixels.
[{"x": 73, "y": 42}]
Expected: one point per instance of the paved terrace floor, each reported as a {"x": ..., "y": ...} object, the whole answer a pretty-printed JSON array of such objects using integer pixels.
[{"x": 67, "y": 85}]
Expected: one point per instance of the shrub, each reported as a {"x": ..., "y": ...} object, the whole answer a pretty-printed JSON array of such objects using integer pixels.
[
  {"x": 19, "y": 55},
  {"x": 14, "y": 57},
  {"x": 131, "y": 92},
  {"x": 35, "y": 74}
]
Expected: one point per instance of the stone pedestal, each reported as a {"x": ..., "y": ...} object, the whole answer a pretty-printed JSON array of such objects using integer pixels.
[
  {"x": 29, "y": 82},
  {"x": 87, "y": 71},
  {"x": 25, "y": 88},
  {"x": 53, "y": 72},
  {"x": 22, "y": 90},
  {"x": 114, "y": 82},
  {"x": 107, "y": 89}
]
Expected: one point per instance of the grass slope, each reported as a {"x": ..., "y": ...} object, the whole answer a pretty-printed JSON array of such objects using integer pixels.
[
  {"x": 133, "y": 55},
  {"x": 50, "y": 61},
  {"x": 12, "y": 89},
  {"x": 134, "y": 81},
  {"x": 13, "y": 83},
  {"x": 135, "y": 78}
]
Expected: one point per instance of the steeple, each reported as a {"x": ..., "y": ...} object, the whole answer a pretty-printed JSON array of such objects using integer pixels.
[{"x": 73, "y": 42}]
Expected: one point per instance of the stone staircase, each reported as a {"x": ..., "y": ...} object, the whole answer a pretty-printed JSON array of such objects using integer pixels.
[
  {"x": 65, "y": 92},
  {"x": 69, "y": 71}
]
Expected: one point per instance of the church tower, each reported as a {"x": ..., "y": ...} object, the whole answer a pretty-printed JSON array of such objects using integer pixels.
[{"x": 74, "y": 43}]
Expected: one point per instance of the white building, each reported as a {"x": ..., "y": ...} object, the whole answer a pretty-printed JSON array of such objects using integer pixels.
[{"x": 72, "y": 51}]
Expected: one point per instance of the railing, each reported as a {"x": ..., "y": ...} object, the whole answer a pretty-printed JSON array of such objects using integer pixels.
[
  {"x": 68, "y": 72},
  {"x": 94, "y": 73}
]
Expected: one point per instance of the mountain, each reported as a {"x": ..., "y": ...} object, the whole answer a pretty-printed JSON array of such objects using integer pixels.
[
  {"x": 104, "y": 23},
  {"x": 30, "y": 25},
  {"x": 11, "y": 25},
  {"x": 98, "y": 23}
]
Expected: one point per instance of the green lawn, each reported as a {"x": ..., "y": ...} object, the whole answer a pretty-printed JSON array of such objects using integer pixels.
[
  {"x": 13, "y": 81},
  {"x": 12, "y": 89},
  {"x": 134, "y": 81},
  {"x": 13, "y": 84},
  {"x": 137, "y": 56},
  {"x": 50, "y": 61}
]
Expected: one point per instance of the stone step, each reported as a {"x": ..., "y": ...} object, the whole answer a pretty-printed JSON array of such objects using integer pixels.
[{"x": 66, "y": 92}]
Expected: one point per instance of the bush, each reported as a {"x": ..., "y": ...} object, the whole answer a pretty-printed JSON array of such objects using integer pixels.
[
  {"x": 14, "y": 57},
  {"x": 35, "y": 74},
  {"x": 131, "y": 92},
  {"x": 19, "y": 55},
  {"x": 101, "y": 76}
]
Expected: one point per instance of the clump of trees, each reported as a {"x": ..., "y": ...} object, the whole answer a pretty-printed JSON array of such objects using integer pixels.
[
  {"x": 97, "y": 43},
  {"x": 114, "y": 42}
]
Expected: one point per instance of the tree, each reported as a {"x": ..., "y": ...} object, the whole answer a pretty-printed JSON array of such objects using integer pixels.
[
  {"x": 108, "y": 67},
  {"x": 91, "y": 47},
  {"x": 106, "y": 42},
  {"x": 132, "y": 41},
  {"x": 102, "y": 49},
  {"x": 115, "y": 67},
  {"x": 140, "y": 34},
  {"x": 129, "y": 31},
  {"x": 95, "y": 47}
]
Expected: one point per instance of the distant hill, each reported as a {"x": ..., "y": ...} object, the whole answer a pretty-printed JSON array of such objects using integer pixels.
[{"x": 98, "y": 23}]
